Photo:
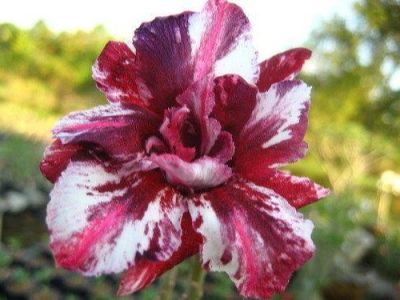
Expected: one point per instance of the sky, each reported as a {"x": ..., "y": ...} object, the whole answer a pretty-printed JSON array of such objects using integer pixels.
[{"x": 277, "y": 25}]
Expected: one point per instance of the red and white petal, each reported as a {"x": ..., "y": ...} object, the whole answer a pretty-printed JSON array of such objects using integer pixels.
[
  {"x": 275, "y": 131},
  {"x": 221, "y": 42},
  {"x": 282, "y": 113},
  {"x": 234, "y": 102},
  {"x": 101, "y": 221},
  {"x": 199, "y": 98},
  {"x": 202, "y": 173},
  {"x": 253, "y": 235},
  {"x": 298, "y": 191},
  {"x": 172, "y": 52},
  {"x": 56, "y": 159},
  {"x": 283, "y": 66},
  {"x": 224, "y": 147},
  {"x": 256, "y": 164},
  {"x": 115, "y": 74},
  {"x": 156, "y": 145},
  {"x": 171, "y": 129},
  {"x": 163, "y": 56},
  {"x": 145, "y": 271},
  {"x": 118, "y": 130}
]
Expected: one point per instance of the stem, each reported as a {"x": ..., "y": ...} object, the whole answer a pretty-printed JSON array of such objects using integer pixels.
[
  {"x": 168, "y": 285},
  {"x": 195, "y": 290}
]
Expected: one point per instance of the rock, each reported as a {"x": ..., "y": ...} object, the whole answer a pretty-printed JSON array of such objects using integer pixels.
[
  {"x": 16, "y": 201},
  {"x": 356, "y": 245},
  {"x": 35, "y": 198},
  {"x": 380, "y": 288},
  {"x": 3, "y": 205}
]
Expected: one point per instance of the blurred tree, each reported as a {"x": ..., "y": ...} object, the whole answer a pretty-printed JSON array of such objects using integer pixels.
[
  {"x": 358, "y": 65},
  {"x": 46, "y": 70},
  {"x": 354, "y": 137},
  {"x": 44, "y": 75}
]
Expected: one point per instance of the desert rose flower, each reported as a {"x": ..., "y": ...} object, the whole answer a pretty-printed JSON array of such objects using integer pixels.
[{"x": 184, "y": 159}]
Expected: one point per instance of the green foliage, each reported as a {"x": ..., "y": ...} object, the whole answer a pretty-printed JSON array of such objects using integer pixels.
[
  {"x": 353, "y": 137},
  {"x": 5, "y": 258},
  {"x": 60, "y": 60},
  {"x": 356, "y": 61},
  {"x": 44, "y": 75},
  {"x": 19, "y": 158}
]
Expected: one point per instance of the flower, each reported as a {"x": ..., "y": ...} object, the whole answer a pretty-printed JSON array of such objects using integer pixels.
[{"x": 184, "y": 158}]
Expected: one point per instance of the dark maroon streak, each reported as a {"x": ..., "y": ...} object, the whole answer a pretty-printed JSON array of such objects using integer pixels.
[{"x": 163, "y": 53}]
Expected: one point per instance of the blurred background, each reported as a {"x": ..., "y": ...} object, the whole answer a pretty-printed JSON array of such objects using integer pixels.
[{"x": 46, "y": 52}]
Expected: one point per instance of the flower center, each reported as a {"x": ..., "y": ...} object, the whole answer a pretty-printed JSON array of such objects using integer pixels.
[
  {"x": 193, "y": 156},
  {"x": 190, "y": 135}
]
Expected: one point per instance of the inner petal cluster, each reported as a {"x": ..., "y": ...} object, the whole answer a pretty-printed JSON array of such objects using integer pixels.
[
  {"x": 181, "y": 133},
  {"x": 190, "y": 147}
]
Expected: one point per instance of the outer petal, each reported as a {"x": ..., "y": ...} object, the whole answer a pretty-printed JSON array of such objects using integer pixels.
[
  {"x": 299, "y": 191},
  {"x": 282, "y": 66},
  {"x": 145, "y": 271},
  {"x": 199, "y": 174},
  {"x": 119, "y": 131},
  {"x": 163, "y": 59},
  {"x": 100, "y": 221},
  {"x": 221, "y": 41},
  {"x": 56, "y": 159},
  {"x": 115, "y": 74},
  {"x": 252, "y": 234},
  {"x": 234, "y": 102},
  {"x": 172, "y": 52},
  {"x": 58, "y": 156},
  {"x": 275, "y": 131}
]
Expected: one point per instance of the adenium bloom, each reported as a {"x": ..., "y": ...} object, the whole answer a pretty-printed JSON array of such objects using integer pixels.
[{"x": 183, "y": 159}]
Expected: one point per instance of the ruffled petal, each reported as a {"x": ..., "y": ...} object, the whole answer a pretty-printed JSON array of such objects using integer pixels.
[
  {"x": 298, "y": 191},
  {"x": 100, "y": 221},
  {"x": 224, "y": 148},
  {"x": 202, "y": 173},
  {"x": 234, "y": 102},
  {"x": 163, "y": 59},
  {"x": 56, "y": 159},
  {"x": 145, "y": 271},
  {"x": 221, "y": 42},
  {"x": 115, "y": 74},
  {"x": 119, "y": 131},
  {"x": 155, "y": 145},
  {"x": 199, "y": 98},
  {"x": 171, "y": 129},
  {"x": 172, "y": 52},
  {"x": 274, "y": 134},
  {"x": 283, "y": 66},
  {"x": 253, "y": 235}
]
